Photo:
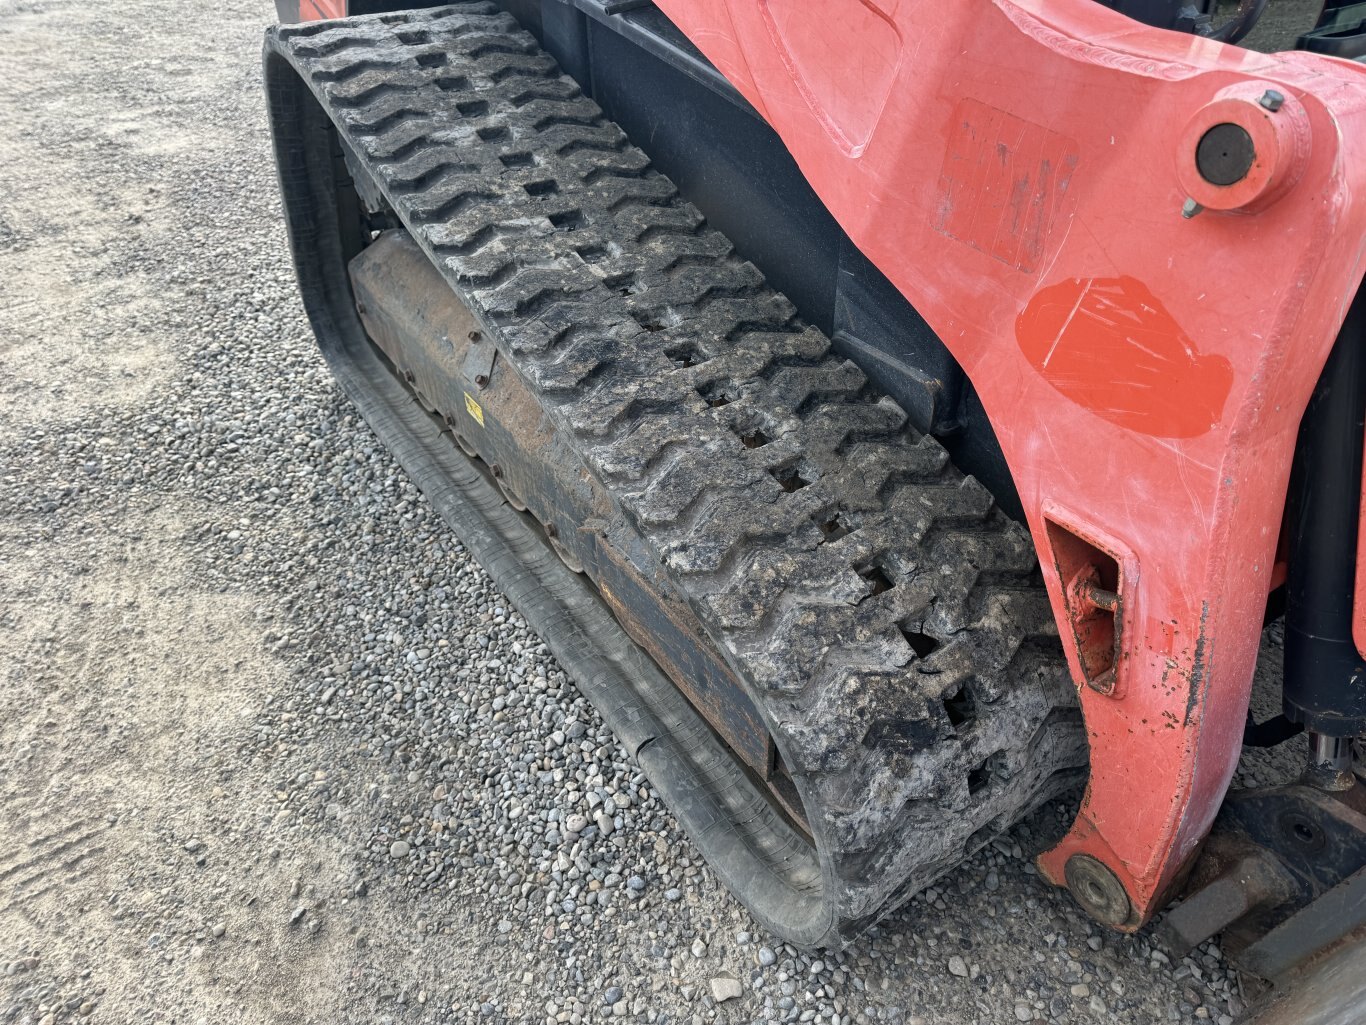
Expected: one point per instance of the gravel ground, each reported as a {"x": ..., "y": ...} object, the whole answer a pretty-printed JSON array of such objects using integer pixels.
[{"x": 273, "y": 747}]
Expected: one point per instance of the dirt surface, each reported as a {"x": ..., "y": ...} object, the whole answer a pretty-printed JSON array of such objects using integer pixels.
[{"x": 273, "y": 749}]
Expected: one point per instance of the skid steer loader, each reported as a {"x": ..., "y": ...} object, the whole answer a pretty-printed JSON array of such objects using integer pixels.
[{"x": 893, "y": 415}]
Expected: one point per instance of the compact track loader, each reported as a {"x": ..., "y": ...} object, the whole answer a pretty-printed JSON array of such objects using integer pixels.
[{"x": 893, "y": 415}]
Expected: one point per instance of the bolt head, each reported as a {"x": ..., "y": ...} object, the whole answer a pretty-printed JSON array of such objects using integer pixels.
[
  {"x": 1190, "y": 208},
  {"x": 1272, "y": 100}
]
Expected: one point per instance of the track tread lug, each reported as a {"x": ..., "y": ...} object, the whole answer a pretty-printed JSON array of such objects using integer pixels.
[{"x": 811, "y": 556}]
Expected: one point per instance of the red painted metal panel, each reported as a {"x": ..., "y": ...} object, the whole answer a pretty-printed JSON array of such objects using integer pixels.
[
  {"x": 317, "y": 10},
  {"x": 1018, "y": 169}
]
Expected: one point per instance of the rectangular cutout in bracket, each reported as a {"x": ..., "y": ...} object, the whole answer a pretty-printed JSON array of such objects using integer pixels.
[{"x": 1093, "y": 592}]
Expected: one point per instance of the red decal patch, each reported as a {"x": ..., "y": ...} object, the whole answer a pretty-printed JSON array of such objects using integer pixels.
[
  {"x": 1003, "y": 186},
  {"x": 1109, "y": 345}
]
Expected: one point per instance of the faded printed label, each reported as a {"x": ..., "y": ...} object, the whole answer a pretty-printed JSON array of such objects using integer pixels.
[
  {"x": 1003, "y": 186},
  {"x": 474, "y": 409}
]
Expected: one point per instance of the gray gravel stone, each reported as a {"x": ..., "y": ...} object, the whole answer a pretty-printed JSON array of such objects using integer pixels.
[{"x": 724, "y": 988}]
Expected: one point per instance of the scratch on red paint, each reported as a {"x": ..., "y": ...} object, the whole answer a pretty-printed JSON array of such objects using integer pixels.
[{"x": 1110, "y": 345}]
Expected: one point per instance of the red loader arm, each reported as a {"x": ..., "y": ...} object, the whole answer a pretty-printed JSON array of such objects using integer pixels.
[{"x": 1020, "y": 171}]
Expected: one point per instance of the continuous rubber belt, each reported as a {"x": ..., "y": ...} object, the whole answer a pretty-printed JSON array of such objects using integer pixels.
[{"x": 887, "y": 620}]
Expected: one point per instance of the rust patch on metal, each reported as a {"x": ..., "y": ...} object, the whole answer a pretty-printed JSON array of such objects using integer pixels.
[
  {"x": 1199, "y": 667},
  {"x": 428, "y": 334},
  {"x": 708, "y": 683}
]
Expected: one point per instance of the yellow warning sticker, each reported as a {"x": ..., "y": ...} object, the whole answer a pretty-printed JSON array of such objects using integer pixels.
[{"x": 474, "y": 409}]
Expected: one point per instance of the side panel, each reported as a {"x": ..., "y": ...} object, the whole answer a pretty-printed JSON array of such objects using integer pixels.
[
  {"x": 290, "y": 11},
  {"x": 314, "y": 10},
  {"x": 1019, "y": 171},
  {"x": 729, "y": 162}
]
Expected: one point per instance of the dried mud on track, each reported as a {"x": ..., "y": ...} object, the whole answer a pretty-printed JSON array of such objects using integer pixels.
[{"x": 271, "y": 747}]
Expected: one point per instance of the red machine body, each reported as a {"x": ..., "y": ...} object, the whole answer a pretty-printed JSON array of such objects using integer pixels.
[
  {"x": 317, "y": 10},
  {"x": 1019, "y": 170}
]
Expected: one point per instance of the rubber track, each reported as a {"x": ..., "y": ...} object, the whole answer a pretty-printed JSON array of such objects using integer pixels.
[{"x": 888, "y": 619}]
